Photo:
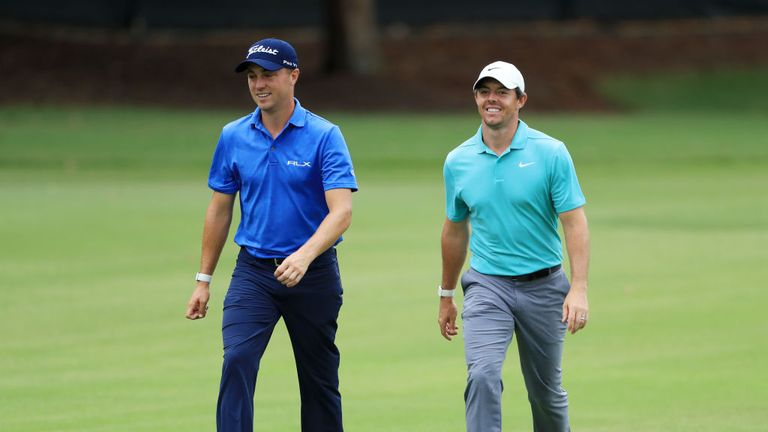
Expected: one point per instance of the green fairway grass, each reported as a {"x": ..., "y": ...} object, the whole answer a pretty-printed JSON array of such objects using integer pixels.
[{"x": 102, "y": 211}]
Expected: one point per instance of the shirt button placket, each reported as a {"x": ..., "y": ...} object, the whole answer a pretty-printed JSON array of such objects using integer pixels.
[{"x": 273, "y": 153}]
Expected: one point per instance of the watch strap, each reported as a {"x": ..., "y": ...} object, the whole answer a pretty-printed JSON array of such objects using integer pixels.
[
  {"x": 444, "y": 292},
  {"x": 202, "y": 277}
]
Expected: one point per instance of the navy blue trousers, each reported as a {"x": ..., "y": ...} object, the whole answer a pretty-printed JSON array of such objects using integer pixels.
[{"x": 253, "y": 305}]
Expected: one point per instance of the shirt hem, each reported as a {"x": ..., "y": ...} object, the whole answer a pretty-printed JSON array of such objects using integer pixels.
[
  {"x": 567, "y": 209},
  {"x": 351, "y": 186},
  {"x": 222, "y": 190}
]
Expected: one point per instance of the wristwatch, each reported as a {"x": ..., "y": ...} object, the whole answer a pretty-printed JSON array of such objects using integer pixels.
[
  {"x": 444, "y": 292},
  {"x": 202, "y": 277}
]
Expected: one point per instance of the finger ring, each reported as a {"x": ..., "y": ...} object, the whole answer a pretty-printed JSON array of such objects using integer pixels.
[{"x": 206, "y": 307}]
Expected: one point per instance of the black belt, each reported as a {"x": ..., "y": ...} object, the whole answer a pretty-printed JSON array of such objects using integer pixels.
[
  {"x": 321, "y": 260},
  {"x": 535, "y": 275},
  {"x": 270, "y": 261}
]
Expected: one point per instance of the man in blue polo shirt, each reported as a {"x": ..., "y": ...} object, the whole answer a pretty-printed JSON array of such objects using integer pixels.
[
  {"x": 294, "y": 176},
  {"x": 512, "y": 183}
]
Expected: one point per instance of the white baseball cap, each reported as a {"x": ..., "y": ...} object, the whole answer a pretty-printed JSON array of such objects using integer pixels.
[{"x": 505, "y": 73}]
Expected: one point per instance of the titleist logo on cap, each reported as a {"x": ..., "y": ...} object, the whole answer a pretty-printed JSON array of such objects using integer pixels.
[
  {"x": 271, "y": 54},
  {"x": 262, "y": 49}
]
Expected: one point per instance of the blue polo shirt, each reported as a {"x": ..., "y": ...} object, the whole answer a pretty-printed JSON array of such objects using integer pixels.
[
  {"x": 512, "y": 201},
  {"x": 282, "y": 181}
]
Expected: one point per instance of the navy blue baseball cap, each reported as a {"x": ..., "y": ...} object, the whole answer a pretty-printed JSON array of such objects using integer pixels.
[{"x": 271, "y": 54}]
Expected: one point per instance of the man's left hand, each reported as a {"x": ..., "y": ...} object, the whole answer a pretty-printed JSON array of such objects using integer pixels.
[
  {"x": 576, "y": 308},
  {"x": 292, "y": 270}
]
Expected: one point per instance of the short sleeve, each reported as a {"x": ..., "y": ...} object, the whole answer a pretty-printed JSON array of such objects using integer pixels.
[
  {"x": 223, "y": 176},
  {"x": 455, "y": 208},
  {"x": 566, "y": 191},
  {"x": 337, "y": 170}
]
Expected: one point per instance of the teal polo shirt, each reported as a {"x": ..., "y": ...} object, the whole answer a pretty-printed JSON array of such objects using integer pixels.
[{"x": 513, "y": 200}]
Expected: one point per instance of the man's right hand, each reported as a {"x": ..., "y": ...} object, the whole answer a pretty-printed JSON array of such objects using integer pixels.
[
  {"x": 198, "y": 303},
  {"x": 446, "y": 318}
]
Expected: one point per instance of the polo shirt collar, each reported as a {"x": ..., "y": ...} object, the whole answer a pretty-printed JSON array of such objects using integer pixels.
[
  {"x": 518, "y": 141},
  {"x": 298, "y": 118}
]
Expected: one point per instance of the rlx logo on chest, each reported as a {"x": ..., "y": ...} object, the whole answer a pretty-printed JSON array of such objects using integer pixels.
[{"x": 299, "y": 164}]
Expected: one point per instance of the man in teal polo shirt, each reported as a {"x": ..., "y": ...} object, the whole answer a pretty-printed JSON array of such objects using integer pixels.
[{"x": 512, "y": 183}]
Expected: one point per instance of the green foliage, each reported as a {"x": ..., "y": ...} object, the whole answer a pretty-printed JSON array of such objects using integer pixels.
[
  {"x": 741, "y": 90},
  {"x": 100, "y": 227}
]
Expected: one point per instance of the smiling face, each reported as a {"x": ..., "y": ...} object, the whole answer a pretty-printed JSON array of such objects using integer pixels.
[
  {"x": 272, "y": 90},
  {"x": 498, "y": 106}
]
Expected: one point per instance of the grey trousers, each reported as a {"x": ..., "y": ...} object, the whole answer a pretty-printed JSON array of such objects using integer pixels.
[{"x": 495, "y": 308}]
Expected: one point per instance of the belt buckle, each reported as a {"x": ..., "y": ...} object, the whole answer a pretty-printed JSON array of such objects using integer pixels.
[{"x": 278, "y": 261}]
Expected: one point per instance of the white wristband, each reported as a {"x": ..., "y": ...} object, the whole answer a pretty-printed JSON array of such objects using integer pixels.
[
  {"x": 444, "y": 292},
  {"x": 202, "y": 277}
]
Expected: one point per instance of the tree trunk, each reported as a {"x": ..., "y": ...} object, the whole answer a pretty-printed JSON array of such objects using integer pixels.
[{"x": 351, "y": 37}]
